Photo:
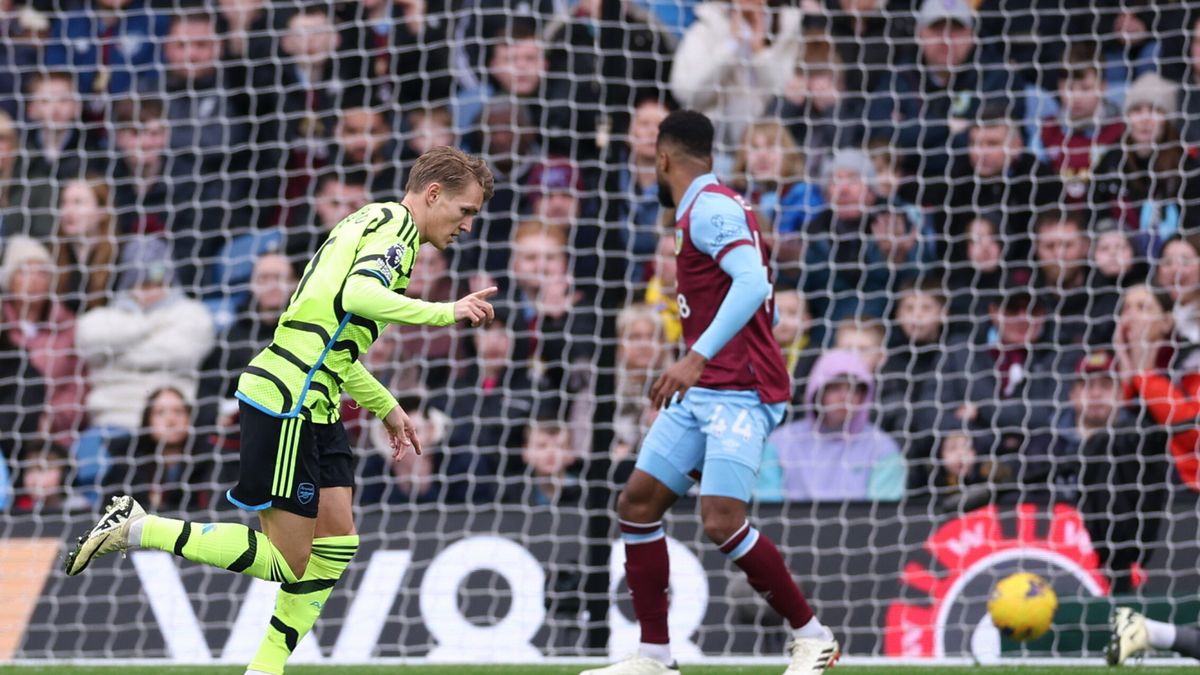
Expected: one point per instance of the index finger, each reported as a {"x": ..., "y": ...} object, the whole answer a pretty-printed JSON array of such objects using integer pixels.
[{"x": 485, "y": 293}]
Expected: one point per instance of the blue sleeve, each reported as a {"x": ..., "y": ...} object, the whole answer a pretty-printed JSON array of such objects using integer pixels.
[
  {"x": 717, "y": 222},
  {"x": 746, "y": 295}
]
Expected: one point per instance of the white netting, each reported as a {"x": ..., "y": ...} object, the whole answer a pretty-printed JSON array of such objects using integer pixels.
[{"x": 988, "y": 204}]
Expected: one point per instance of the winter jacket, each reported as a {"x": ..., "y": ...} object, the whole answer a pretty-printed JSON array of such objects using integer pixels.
[
  {"x": 1174, "y": 402},
  {"x": 129, "y": 50},
  {"x": 859, "y": 462},
  {"x": 132, "y": 350},
  {"x": 50, "y": 346},
  {"x": 715, "y": 74}
]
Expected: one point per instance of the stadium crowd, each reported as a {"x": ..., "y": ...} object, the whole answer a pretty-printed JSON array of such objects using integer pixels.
[{"x": 983, "y": 217}]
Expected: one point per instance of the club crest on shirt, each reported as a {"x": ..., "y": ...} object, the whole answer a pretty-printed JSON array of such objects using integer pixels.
[{"x": 678, "y": 241}]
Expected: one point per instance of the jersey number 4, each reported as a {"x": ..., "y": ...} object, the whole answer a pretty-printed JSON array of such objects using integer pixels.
[{"x": 718, "y": 423}]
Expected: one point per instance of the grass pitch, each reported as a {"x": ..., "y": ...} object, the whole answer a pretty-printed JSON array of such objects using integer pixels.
[{"x": 574, "y": 670}]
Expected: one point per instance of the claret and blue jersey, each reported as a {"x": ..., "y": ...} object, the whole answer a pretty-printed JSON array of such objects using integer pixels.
[{"x": 717, "y": 432}]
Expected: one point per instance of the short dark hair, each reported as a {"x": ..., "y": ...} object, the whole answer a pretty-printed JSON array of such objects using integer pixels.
[
  {"x": 993, "y": 114},
  {"x": 1071, "y": 216},
  {"x": 356, "y": 178},
  {"x": 925, "y": 286},
  {"x": 130, "y": 111},
  {"x": 1082, "y": 58},
  {"x": 690, "y": 130}
]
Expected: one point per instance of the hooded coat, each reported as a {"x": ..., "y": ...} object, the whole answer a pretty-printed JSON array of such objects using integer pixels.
[{"x": 859, "y": 462}]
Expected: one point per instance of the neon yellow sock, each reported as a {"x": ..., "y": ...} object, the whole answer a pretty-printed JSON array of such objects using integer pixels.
[
  {"x": 230, "y": 546},
  {"x": 297, "y": 605}
]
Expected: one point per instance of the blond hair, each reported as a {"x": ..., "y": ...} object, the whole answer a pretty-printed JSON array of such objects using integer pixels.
[
  {"x": 534, "y": 228},
  {"x": 791, "y": 168},
  {"x": 451, "y": 168}
]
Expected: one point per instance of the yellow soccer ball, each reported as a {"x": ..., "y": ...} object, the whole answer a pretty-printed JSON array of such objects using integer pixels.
[{"x": 1022, "y": 606}]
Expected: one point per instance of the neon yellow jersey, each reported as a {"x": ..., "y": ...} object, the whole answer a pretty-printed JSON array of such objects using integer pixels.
[{"x": 314, "y": 355}]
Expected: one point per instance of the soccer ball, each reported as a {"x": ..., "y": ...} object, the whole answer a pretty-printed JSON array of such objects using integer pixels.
[{"x": 1022, "y": 606}]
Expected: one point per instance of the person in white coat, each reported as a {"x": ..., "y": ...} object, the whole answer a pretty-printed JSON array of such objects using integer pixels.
[
  {"x": 733, "y": 59},
  {"x": 151, "y": 336}
]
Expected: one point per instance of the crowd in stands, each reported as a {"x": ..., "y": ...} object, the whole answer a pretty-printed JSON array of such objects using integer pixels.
[{"x": 983, "y": 216}]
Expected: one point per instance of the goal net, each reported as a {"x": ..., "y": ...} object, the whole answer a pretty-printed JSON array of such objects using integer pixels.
[{"x": 982, "y": 220}]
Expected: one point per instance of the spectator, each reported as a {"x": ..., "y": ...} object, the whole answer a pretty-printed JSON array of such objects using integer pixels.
[
  {"x": 166, "y": 465},
  {"x": 1150, "y": 183},
  {"x": 867, "y": 338},
  {"x": 791, "y": 331},
  {"x": 153, "y": 188},
  {"x": 42, "y": 480},
  {"x": 337, "y": 195},
  {"x": 84, "y": 244},
  {"x": 929, "y": 104},
  {"x": 913, "y": 374},
  {"x": 519, "y": 73},
  {"x": 551, "y": 465},
  {"x": 25, "y": 200},
  {"x": 660, "y": 290},
  {"x": 509, "y": 144},
  {"x": 111, "y": 45},
  {"x": 1008, "y": 385},
  {"x": 244, "y": 24},
  {"x": 1191, "y": 88},
  {"x": 1178, "y": 273},
  {"x": 205, "y": 121},
  {"x": 271, "y": 286},
  {"x": 491, "y": 402},
  {"x": 735, "y": 57},
  {"x": 641, "y": 355},
  {"x": 363, "y": 146},
  {"x": 975, "y": 282},
  {"x": 638, "y": 207},
  {"x": 1114, "y": 472},
  {"x": 996, "y": 173},
  {"x": 860, "y": 248},
  {"x": 43, "y": 329},
  {"x": 768, "y": 171},
  {"x": 1113, "y": 258},
  {"x": 556, "y": 197},
  {"x": 426, "y": 128},
  {"x": 616, "y": 42},
  {"x": 415, "y": 478},
  {"x": 22, "y": 402},
  {"x": 151, "y": 336},
  {"x": 1086, "y": 126},
  {"x": 835, "y": 453},
  {"x": 23, "y": 31},
  {"x": 56, "y": 145},
  {"x": 404, "y": 51},
  {"x": 1162, "y": 381},
  {"x": 309, "y": 81},
  {"x": 555, "y": 193},
  {"x": 869, "y": 36},
  {"x": 1132, "y": 48},
  {"x": 818, "y": 108},
  {"x": 552, "y": 319},
  {"x": 1082, "y": 306}
]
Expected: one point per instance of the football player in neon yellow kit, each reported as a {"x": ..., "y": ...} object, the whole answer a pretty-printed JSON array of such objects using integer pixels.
[{"x": 297, "y": 469}]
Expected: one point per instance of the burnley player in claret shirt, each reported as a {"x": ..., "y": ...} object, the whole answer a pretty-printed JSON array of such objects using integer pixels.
[{"x": 720, "y": 401}]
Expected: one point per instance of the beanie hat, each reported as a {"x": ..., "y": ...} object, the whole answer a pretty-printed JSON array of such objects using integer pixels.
[
  {"x": 852, "y": 160},
  {"x": 21, "y": 250},
  {"x": 1151, "y": 89}
]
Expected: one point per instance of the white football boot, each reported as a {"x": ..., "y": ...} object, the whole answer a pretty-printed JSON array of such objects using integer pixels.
[
  {"x": 109, "y": 535},
  {"x": 1130, "y": 637},
  {"x": 811, "y": 656},
  {"x": 635, "y": 665}
]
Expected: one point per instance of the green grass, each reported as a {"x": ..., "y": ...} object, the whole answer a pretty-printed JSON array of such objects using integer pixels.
[{"x": 570, "y": 670}]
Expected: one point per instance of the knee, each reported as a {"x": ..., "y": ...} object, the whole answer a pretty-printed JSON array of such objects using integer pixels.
[
  {"x": 634, "y": 507},
  {"x": 719, "y": 526},
  {"x": 298, "y": 562}
]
